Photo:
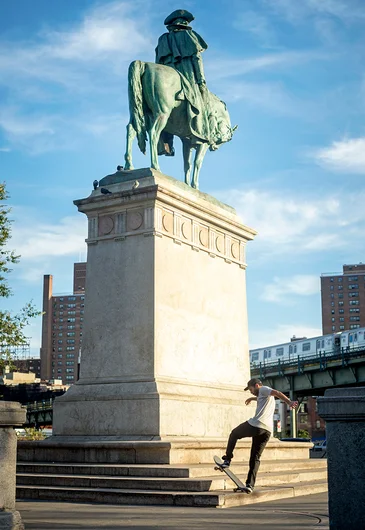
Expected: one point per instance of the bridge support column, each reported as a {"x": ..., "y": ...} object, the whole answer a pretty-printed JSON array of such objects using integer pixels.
[
  {"x": 344, "y": 411},
  {"x": 293, "y": 418},
  {"x": 11, "y": 415}
]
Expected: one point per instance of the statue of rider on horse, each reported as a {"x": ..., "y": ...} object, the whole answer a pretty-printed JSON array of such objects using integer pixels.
[{"x": 163, "y": 104}]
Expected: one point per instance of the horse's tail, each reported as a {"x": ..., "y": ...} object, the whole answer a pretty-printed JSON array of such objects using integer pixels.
[{"x": 137, "y": 119}]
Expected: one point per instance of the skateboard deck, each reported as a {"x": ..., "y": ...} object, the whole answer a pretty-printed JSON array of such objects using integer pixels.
[{"x": 240, "y": 486}]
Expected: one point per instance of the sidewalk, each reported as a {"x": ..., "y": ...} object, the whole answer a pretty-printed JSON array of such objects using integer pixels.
[{"x": 304, "y": 513}]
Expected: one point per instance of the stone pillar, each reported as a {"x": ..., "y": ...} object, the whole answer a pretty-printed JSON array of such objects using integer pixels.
[
  {"x": 165, "y": 341},
  {"x": 344, "y": 412},
  {"x": 11, "y": 415}
]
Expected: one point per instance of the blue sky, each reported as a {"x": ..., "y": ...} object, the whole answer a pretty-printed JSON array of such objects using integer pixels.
[{"x": 292, "y": 75}]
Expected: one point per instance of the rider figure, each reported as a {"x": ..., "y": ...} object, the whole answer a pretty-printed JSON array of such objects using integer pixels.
[{"x": 181, "y": 49}]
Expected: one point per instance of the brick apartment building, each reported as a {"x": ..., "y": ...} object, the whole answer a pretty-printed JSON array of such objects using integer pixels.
[
  {"x": 343, "y": 299},
  {"x": 62, "y": 324},
  {"x": 28, "y": 365}
]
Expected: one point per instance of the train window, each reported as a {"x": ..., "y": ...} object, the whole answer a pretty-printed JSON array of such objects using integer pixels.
[
  {"x": 351, "y": 338},
  {"x": 290, "y": 349},
  {"x": 355, "y": 337},
  {"x": 306, "y": 346},
  {"x": 267, "y": 354},
  {"x": 295, "y": 348},
  {"x": 322, "y": 343},
  {"x": 255, "y": 356},
  {"x": 279, "y": 352}
]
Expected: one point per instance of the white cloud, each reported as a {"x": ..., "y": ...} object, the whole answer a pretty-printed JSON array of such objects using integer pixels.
[
  {"x": 5, "y": 149},
  {"x": 347, "y": 156},
  {"x": 287, "y": 221},
  {"x": 35, "y": 241},
  {"x": 283, "y": 290},
  {"x": 259, "y": 338}
]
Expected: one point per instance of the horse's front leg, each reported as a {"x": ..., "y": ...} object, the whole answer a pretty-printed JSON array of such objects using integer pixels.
[
  {"x": 154, "y": 132},
  {"x": 198, "y": 160},
  {"x": 187, "y": 159},
  {"x": 131, "y": 134}
]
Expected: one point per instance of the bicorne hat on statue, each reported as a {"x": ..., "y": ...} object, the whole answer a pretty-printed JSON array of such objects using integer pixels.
[{"x": 179, "y": 14}]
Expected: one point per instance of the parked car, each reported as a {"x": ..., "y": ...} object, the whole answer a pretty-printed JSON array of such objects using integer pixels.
[
  {"x": 295, "y": 439},
  {"x": 320, "y": 446}
]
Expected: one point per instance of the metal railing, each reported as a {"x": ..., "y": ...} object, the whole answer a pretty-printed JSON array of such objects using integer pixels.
[{"x": 321, "y": 358}]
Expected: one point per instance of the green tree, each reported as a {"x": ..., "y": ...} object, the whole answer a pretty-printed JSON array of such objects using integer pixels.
[{"x": 11, "y": 325}]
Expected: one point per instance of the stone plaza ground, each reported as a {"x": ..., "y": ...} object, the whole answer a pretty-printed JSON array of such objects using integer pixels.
[{"x": 302, "y": 513}]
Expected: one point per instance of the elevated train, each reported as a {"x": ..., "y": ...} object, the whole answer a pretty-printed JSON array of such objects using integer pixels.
[{"x": 304, "y": 347}]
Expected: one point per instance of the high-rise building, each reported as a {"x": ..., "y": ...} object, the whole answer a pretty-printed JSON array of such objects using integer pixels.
[
  {"x": 62, "y": 324},
  {"x": 343, "y": 299}
]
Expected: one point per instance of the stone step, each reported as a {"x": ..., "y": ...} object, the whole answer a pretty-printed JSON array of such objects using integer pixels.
[
  {"x": 219, "y": 499},
  {"x": 152, "y": 452},
  {"x": 164, "y": 470},
  {"x": 209, "y": 483}
]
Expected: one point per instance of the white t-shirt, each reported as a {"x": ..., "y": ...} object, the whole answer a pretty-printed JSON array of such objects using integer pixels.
[{"x": 265, "y": 409}]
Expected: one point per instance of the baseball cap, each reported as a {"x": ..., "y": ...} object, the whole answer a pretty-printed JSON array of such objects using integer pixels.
[{"x": 253, "y": 382}]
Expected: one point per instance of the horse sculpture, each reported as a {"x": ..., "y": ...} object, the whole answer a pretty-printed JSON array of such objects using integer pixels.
[{"x": 157, "y": 104}]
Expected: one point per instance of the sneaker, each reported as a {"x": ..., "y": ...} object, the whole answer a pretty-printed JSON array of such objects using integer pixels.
[
  {"x": 226, "y": 462},
  {"x": 248, "y": 489}
]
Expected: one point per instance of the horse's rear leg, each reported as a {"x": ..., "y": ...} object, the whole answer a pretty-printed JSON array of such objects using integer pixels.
[
  {"x": 187, "y": 159},
  {"x": 200, "y": 153},
  {"x": 131, "y": 134},
  {"x": 160, "y": 121}
]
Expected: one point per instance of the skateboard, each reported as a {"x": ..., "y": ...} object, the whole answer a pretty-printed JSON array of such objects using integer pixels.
[{"x": 240, "y": 486}]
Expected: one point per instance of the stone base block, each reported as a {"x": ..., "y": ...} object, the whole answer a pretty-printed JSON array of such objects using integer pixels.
[
  {"x": 10, "y": 520},
  {"x": 151, "y": 410}
]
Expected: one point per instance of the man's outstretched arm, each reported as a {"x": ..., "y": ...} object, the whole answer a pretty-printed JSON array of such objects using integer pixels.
[{"x": 279, "y": 395}]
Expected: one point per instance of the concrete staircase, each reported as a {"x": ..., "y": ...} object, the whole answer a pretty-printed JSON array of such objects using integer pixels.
[{"x": 179, "y": 484}]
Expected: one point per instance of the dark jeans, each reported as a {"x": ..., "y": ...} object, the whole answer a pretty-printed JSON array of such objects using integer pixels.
[{"x": 260, "y": 437}]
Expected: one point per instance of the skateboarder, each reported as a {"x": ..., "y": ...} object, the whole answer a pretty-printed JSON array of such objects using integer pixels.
[{"x": 259, "y": 428}]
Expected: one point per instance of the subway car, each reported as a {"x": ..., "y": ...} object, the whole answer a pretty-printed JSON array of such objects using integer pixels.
[{"x": 304, "y": 347}]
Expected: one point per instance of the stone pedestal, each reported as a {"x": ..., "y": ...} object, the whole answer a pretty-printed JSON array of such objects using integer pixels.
[
  {"x": 165, "y": 342},
  {"x": 344, "y": 412},
  {"x": 11, "y": 415}
]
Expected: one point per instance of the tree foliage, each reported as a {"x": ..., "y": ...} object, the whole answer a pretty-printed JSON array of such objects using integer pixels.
[{"x": 12, "y": 326}]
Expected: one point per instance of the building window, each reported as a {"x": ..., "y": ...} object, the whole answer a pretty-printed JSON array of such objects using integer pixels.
[
  {"x": 354, "y": 294},
  {"x": 331, "y": 279},
  {"x": 341, "y": 311},
  {"x": 70, "y": 348},
  {"x": 71, "y": 298},
  {"x": 69, "y": 377},
  {"x": 70, "y": 370},
  {"x": 354, "y": 326},
  {"x": 354, "y": 286},
  {"x": 331, "y": 287},
  {"x": 339, "y": 279},
  {"x": 60, "y": 342},
  {"x": 332, "y": 311},
  {"x": 354, "y": 319},
  {"x": 333, "y": 319},
  {"x": 332, "y": 295},
  {"x": 340, "y": 303},
  {"x": 59, "y": 356},
  {"x": 70, "y": 355},
  {"x": 70, "y": 333},
  {"x": 354, "y": 310},
  {"x": 70, "y": 363},
  {"x": 333, "y": 328},
  {"x": 352, "y": 278},
  {"x": 342, "y": 319},
  {"x": 70, "y": 341},
  {"x": 340, "y": 295},
  {"x": 71, "y": 313},
  {"x": 306, "y": 346},
  {"x": 60, "y": 349},
  {"x": 71, "y": 306},
  {"x": 354, "y": 302},
  {"x": 342, "y": 328}
]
